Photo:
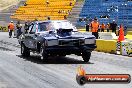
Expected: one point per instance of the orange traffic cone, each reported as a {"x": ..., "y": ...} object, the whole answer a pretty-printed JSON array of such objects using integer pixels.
[{"x": 121, "y": 34}]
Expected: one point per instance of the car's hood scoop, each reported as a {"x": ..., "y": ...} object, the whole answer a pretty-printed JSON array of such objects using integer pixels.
[
  {"x": 63, "y": 37},
  {"x": 64, "y": 33}
]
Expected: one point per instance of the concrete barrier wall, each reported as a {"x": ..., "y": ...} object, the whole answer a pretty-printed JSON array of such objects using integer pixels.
[
  {"x": 108, "y": 46},
  {"x": 126, "y": 48},
  {"x": 3, "y": 29},
  {"x": 129, "y": 35},
  {"x": 129, "y": 32}
]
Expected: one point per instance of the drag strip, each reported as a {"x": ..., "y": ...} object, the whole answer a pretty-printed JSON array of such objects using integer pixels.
[{"x": 58, "y": 72}]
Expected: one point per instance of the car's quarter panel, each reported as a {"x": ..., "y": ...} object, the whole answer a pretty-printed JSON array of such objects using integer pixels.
[
  {"x": 51, "y": 41},
  {"x": 90, "y": 40}
]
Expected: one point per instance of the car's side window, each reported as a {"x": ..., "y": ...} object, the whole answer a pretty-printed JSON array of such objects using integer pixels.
[
  {"x": 34, "y": 28},
  {"x": 43, "y": 26},
  {"x": 31, "y": 28}
]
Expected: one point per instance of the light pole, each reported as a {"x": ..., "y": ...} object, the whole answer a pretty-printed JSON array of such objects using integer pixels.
[{"x": 125, "y": 15}]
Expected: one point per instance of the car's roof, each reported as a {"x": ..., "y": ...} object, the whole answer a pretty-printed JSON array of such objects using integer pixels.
[{"x": 60, "y": 24}]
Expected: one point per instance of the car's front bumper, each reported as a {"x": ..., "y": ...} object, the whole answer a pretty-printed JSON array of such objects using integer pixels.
[{"x": 70, "y": 49}]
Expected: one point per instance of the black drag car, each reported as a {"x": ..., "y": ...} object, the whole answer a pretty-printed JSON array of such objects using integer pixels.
[{"x": 56, "y": 38}]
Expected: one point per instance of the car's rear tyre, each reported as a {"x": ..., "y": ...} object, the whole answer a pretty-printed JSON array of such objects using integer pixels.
[
  {"x": 25, "y": 51},
  {"x": 43, "y": 53},
  {"x": 86, "y": 56}
]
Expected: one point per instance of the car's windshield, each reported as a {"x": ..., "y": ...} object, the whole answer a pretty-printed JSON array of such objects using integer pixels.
[
  {"x": 54, "y": 25},
  {"x": 45, "y": 26}
]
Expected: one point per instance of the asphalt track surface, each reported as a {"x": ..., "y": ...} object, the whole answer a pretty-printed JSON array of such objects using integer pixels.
[{"x": 57, "y": 72}]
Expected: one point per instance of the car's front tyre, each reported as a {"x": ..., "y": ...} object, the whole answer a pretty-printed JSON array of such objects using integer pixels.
[
  {"x": 43, "y": 53},
  {"x": 24, "y": 51},
  {"x": 86, "y": 56}
]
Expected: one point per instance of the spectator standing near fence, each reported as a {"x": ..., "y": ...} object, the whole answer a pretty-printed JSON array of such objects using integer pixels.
[
  {"x": 99, "y": 29},
  {"x": 18, "y": 26},
  {"x": 125, "y": 30},
  {"x": 26, "y": 27},
  {"x": 87, "y": 27},
  {"x": 94, "y": 27},
  {"x": 113, "y": 26},
  {"x": 11, "y": 27},
  {"x": 102, "y": 27},
  {"x": 108, "y": 27}
]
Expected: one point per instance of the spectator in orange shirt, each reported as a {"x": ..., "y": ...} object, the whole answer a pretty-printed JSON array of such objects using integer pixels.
[
  {"x": 11, "y": 27},
  {"x": 94, "y": 27},
  {"x": 102, "y": 27}
]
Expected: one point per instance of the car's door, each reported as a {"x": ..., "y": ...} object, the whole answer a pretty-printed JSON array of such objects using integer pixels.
[{"x": 31, "y": 37}]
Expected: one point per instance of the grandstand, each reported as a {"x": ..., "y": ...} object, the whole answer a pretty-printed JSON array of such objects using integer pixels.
[
  {"x": 41, "y": 9},
  {"x": 107, "y": 10},
  {"x": 104, "y": 10}
]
